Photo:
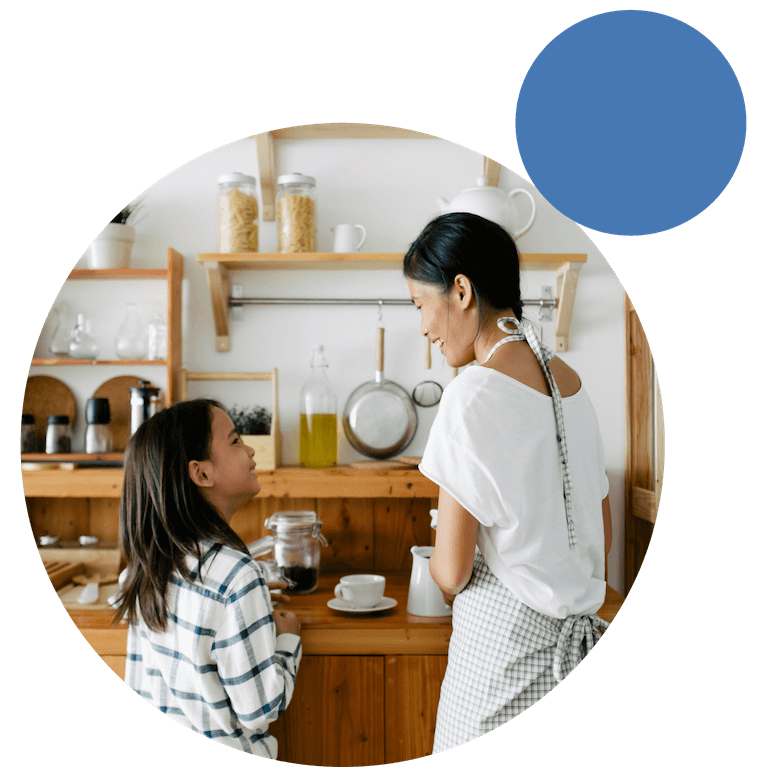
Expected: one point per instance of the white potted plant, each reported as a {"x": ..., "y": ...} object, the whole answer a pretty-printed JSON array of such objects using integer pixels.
[{"x": 112, "y": 248}]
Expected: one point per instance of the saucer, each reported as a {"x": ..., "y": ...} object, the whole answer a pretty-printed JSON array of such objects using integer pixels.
[{"x": 343, "y": 606}]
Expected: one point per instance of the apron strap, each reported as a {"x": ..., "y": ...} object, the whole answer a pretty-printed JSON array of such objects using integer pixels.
[
  {"x": 579, "y": 633},
  {"x": 525, "y": 331}
]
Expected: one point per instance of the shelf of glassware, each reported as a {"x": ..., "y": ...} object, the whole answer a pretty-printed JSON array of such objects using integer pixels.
[
  {"x": 219, "y": 265},
  {"x": 173, "y": 273}
]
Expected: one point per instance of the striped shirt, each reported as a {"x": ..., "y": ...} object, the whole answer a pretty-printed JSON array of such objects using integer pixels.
[{"x": 219, "y": 667}]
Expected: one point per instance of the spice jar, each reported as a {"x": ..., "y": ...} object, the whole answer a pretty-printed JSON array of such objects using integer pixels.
[
  {"x": 296, "y": 214},
  {"x": 28, "y": 438},
  {"x": 297, "y": 543},
  {"x": 237, "y": 214},
  {"x": 58, "y": 437},
  {"x": 98, "y": 433}
]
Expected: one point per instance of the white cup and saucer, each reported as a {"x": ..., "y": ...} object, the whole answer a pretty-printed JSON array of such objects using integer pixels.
[{"x": 361, "y": 594}]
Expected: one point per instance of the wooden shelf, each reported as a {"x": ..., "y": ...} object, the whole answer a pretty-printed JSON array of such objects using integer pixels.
[
  {"x": 219, "y": 265},
  {"x": 118, "y": 274},
  {"x": 70, "y": 457},
  {"x": 69, "y": 361},
  {"x": 283, "y": 482}
]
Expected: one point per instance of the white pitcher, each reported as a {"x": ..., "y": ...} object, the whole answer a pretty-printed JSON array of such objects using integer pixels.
[
  {"x": 346, "y": 240},
  {"x": 424, "y": 597}
]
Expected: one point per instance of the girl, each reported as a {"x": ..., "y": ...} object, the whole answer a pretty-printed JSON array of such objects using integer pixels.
[
  {"x": 523, "y": 523},
  {"x": 203, "y": 643}
]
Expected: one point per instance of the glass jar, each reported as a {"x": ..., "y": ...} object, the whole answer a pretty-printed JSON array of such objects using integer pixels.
[
  {"x": 297, "y": 543},
  {"x": 237, "y": 214},
  {"x": 58, "y": 437},
  {"x": 62, "y": 333},
  {"x": 28, "y": 437},
  {"x": 318, "y": 440},
  {"x": 296, "y": 214},
  {"x": 98, "y": 433},
  {"x": 158, "y": 338},
  {"x": 83, "y": 346}
]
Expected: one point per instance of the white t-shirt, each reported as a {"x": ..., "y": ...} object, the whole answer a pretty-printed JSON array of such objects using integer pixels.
[{"x": 493, "y": 447}]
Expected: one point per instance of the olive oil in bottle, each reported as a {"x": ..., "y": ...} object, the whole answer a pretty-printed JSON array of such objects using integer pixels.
[{"x": 318, "y": 426}]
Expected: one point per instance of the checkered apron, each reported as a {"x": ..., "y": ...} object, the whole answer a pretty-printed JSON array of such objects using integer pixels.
[{"x": 503, "y": 655}]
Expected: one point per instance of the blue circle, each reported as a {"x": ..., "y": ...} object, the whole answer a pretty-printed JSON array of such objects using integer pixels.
[{"x": 630, "y": 122}]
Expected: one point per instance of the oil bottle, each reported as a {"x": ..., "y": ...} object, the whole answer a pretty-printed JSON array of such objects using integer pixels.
[{"x": 319, "y": 436}]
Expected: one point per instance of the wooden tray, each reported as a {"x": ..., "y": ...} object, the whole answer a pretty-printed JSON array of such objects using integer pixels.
[
  {"x": 44, "y": 396},
  {"x": 116, "y": 391}
]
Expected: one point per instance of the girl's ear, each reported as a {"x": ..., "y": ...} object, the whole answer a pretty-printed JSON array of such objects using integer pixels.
[
  {"x": 199, "y": 473},
  {"x": 463, "y": 290}
]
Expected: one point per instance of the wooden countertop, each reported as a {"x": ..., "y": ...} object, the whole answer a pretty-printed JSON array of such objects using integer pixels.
[{"x": 327, "y": 632}]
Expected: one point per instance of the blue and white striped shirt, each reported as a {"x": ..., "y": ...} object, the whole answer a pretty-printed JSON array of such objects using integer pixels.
[{"x": 219, "y": 667}]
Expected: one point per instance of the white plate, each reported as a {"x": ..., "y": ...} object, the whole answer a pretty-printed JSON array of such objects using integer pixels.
[{"x": 343, "y": 606}]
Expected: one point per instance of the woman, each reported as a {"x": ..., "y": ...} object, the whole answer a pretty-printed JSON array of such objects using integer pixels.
[{"x": 523, "y": 517}]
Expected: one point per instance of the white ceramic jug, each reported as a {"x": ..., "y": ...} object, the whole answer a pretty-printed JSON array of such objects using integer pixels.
[
  {"x": 346, "y": 240},
  {"x": 424, "y": 597}
]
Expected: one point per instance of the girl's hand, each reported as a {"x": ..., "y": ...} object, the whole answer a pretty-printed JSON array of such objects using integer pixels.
[
  {"x": 286, "y": 622},
  {"x": 276, "y": 597}
]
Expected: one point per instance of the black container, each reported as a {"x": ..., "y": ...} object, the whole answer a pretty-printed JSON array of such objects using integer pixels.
[
  {"x": 28, "y": 436},
  {"x": 97, "y": 410},
  {"x": 58, "y": 438}
]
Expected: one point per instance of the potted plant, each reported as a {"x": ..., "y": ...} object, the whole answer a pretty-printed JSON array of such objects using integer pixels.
[
  {"x": 257, "y": 429},
  {"x": 112, "y": 248}
]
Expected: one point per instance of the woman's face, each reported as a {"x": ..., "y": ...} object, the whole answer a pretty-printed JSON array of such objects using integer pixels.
[{"x": 444, "y": 322}]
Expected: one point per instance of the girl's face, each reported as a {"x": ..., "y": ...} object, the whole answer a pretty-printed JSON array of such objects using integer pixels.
[
  {"x": 444, "y": 320},
  {"x": 231, "y": 467}
]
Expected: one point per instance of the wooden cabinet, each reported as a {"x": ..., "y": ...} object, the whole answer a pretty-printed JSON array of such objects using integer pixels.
[{"x": 352, "y": 710}]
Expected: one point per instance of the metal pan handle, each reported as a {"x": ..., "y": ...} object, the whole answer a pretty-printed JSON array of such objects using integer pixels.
[{"x": 428, "y": 353}]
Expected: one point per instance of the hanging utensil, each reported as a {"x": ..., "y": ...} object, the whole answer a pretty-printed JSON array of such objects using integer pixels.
[
  {"x": 380, "y": 419},
  {"x": 427, "y": 393}
]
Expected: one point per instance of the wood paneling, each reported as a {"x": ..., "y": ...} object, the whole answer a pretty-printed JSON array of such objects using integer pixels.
[{"x": 399, "y": 524}]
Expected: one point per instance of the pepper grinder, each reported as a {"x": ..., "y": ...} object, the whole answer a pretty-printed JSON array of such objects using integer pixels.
[{"x": 98, "y": 434}]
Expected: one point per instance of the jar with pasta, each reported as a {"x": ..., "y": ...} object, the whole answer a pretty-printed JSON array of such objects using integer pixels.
[
  {"x": 237, "y": 214},
  {"x": 296, "y": 214}
]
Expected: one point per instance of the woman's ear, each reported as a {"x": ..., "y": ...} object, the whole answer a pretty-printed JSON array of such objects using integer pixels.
[
  {"x": 199, "y": 473},
  {"x": 463, "y": 290}
]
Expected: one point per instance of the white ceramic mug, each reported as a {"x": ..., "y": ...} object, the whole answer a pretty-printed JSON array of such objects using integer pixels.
[
  {"x": 361, "y": 590},
  {"x": 346, "y": 236}
]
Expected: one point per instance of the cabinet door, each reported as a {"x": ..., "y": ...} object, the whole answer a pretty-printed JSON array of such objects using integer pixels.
[
  {"x": 412, "y": 693},
  {"x": 336, "y": 716}
]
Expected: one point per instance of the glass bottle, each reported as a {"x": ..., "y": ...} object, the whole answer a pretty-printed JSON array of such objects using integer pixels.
[
  {"x": 318, "y": 441},
  {"x": 158, "y": 338},
  {"x": 62, "y": 333},
  {"x": 130, "y": 342},
  {"x": 82, "y": 346},
  {"x": 296, "y": 214}
]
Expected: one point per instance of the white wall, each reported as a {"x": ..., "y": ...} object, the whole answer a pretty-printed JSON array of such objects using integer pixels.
[{"x": 390, "y": 186}]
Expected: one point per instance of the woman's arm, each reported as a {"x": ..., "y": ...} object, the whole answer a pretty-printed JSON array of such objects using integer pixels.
[{"x": 453, "y": 558}]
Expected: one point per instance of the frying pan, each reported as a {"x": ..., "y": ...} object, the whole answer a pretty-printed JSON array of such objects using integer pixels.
[{"x": 380, "y": 418}]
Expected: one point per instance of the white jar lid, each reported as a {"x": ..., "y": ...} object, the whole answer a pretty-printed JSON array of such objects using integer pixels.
[
  {"x": 296, "y": 178},
  {"x": 236, "y": 178}
]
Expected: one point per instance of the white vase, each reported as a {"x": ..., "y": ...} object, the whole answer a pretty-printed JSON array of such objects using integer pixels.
[{"x": 112, "y": 248}]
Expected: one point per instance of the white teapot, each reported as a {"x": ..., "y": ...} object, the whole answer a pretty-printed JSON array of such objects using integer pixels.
[{"x": 489, "y": 202}]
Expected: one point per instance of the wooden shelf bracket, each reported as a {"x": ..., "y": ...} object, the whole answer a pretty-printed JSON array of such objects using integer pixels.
[
  {"x": 219, "y": 285},
  {"x": 567, "y": 281}
]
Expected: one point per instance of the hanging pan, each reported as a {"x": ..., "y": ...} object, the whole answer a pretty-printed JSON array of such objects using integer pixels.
[{"x": 380, "y": 418}]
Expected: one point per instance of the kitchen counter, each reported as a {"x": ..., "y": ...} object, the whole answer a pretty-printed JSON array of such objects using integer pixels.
[{"x": 329, "y": 632}]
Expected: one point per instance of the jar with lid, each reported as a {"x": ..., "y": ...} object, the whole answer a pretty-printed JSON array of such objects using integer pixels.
[
  {"x": 98, "y": 433},
  {"x": 58, "y": 437},
  {"x": 28, "y": 436},
  {"x": 158, "y": 338},
  {"x": 237, "y": 214},
  {"x": 318, "y": 433},
  {"x": 296, "y": 543},
  {"x": 296, "y": 214}
]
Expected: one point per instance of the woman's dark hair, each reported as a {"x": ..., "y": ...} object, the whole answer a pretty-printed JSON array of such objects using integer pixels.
[
  {"x": 163, "y": 516},
  {"x": 464, "y": 243}
]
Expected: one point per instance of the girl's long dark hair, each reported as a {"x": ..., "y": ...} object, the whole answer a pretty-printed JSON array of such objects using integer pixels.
[
  {"x": 464, "y": 243},
  {"x": 163, "y": 516}
]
